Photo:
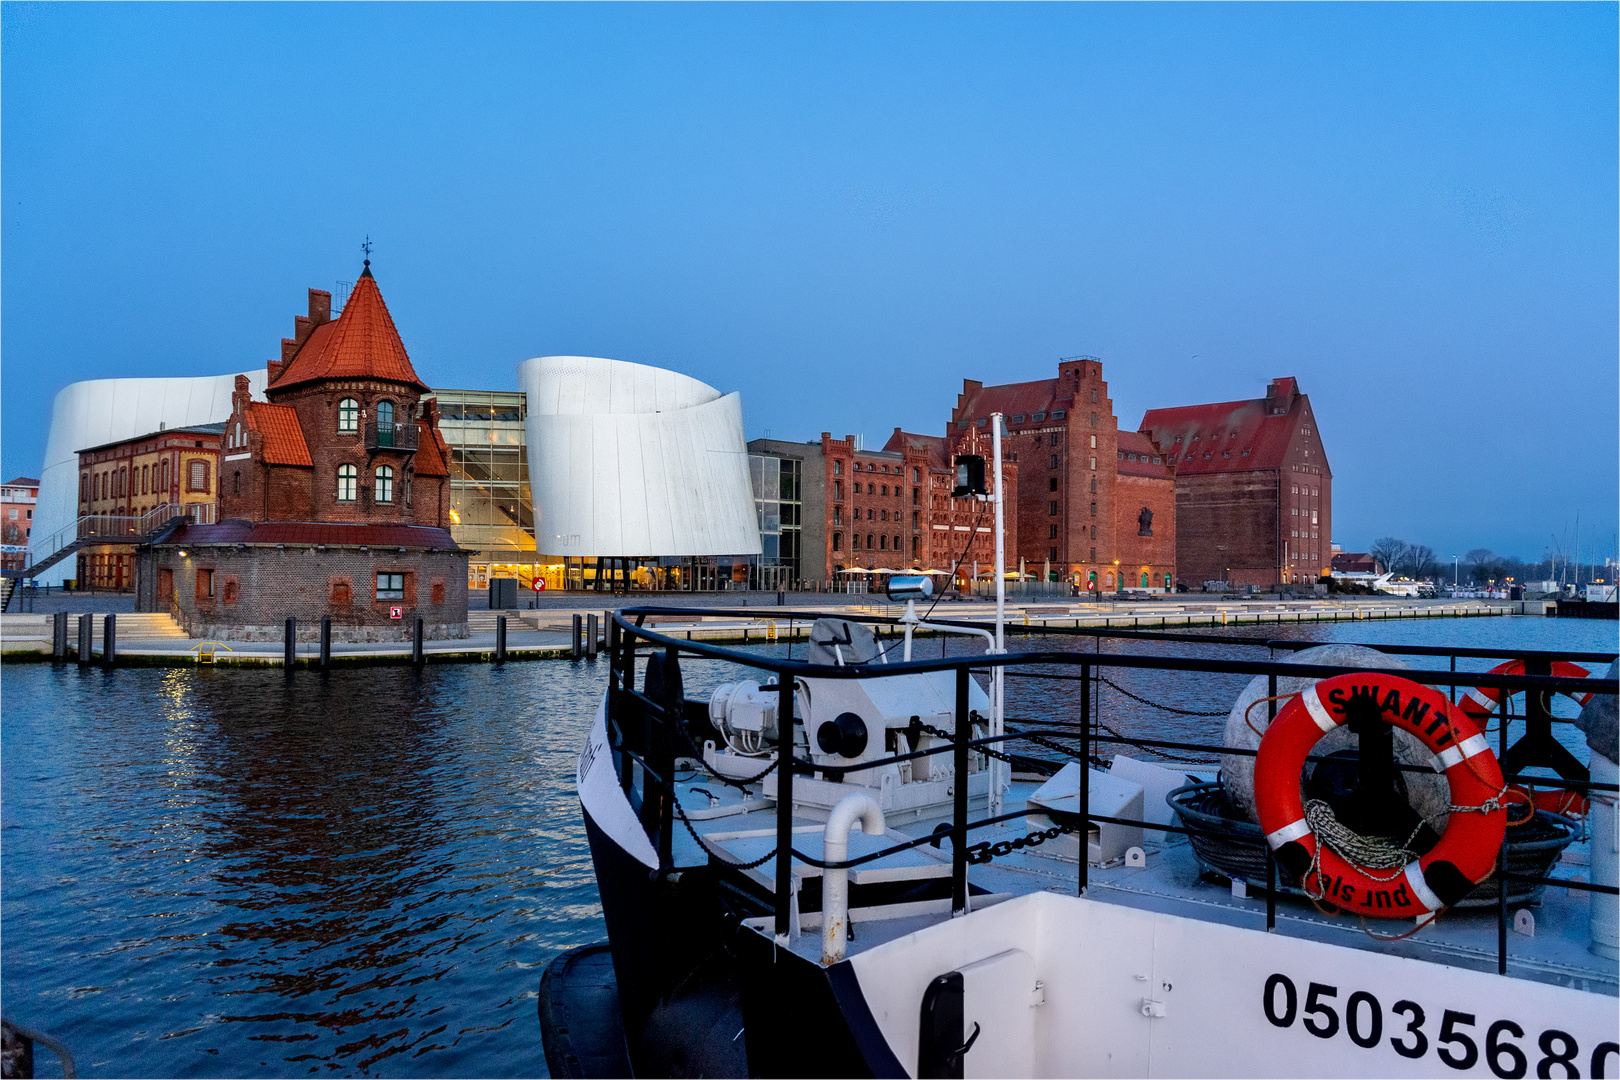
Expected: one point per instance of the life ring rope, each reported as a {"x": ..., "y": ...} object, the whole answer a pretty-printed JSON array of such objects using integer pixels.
[{"x": 1343, "y": 868}]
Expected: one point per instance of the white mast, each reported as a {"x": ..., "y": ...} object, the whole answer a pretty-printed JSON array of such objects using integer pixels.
[{"x": 997, "y": 714}]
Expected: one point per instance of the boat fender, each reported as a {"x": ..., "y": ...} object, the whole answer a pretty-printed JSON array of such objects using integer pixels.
[
  {"x": 1466, "y": 853},
  {"x": 1480, "y": 703}
]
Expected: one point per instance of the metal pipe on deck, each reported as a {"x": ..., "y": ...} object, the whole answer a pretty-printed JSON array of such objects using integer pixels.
[
  {"x": 859, "y": 807},
  {"x": 784, "y": 806}
]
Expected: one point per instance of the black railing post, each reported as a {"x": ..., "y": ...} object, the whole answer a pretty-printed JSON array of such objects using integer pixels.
[
  {"x": 1271, "y": 886},
  {"x": 86, "y": 634},
  {"x": 613, "y": 651},
  {"x": 576, "y": 648},
  {"x": 1271, "y": 692},
  {"x": 959, "y": 787},
  {"x": 1085, "y": 773},
  {"x": 500, "y": 639},
  {"x": 1501, "y": 853},
  {"x": 109, "y": 640},
  {"x": 59, "y": 636},
  {"x": 418, "y": 635},
  {"x": 326, "y": 642},
  {"x": 784, "y": 805}
]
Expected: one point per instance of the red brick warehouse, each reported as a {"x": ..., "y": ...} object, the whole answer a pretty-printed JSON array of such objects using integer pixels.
[
  {"x": 1254, "y": 492},
  {"x": 334, "y": 496},
  {"x": 1094, "y": 506}
]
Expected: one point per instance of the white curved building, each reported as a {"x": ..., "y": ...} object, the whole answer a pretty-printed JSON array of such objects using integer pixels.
[
  {"x": 627, "y": 460},
  {"x": 100, "y": 411}
]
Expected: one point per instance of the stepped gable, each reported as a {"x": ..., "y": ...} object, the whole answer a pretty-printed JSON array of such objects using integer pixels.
[
  {"x": 283, "y": 437},
  {"x": 362, "y": 343}
]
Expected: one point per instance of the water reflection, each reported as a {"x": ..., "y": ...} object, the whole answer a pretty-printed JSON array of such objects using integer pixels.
[
  {"x": 226, "y": 873},
  {"x": 229, "y": 873}
]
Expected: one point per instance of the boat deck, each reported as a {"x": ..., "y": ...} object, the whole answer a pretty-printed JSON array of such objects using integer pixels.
[{"x": 742, "y": 825}]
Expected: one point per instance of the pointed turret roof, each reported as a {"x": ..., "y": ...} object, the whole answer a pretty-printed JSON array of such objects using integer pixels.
[{"x": 361, "y": 344}]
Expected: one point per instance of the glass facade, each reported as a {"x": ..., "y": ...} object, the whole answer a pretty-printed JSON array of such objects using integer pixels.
[
  {"x": 490, "y": 508},
  {"x": 779, "y": 506}
]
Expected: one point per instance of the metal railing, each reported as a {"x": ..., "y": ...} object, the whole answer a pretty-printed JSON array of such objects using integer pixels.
[
  {"x": 391, "y": 436},
  {"x": 114, "y": 529},
  {"x": 647, "y": 734}
]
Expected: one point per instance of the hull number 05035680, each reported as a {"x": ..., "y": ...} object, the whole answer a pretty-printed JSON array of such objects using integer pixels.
[{"x": 1460, "y": 1039}]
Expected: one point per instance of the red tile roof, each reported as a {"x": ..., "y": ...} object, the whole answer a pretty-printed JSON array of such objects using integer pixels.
[
  {"x": 309, "y": 533},
  {"x": 932, "y": 445},
  {"x": 1229, "y": 436},
  {"x": 1134, "y": 445},
  {"x": 432, "y": 453},
  {"x": 1013, "y": 399},
  {"x": 283, "y": 438},
  {"x": 361, "y": 344}
]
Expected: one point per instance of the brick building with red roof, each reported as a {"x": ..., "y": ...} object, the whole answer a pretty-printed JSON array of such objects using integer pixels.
[
  {"x": 334, "y": 496},
  {"x": 1254, "y": 491},
  {"x": 1095, "y": 505}
]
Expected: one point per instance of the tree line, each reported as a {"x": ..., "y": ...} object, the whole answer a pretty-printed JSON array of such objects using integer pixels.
[{"x": 1479, "y": 566}]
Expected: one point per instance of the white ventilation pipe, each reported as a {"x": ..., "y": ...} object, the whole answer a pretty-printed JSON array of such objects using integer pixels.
[
  {"x": 1600, "y": 821},
  {"x": 835, "y": 883}
]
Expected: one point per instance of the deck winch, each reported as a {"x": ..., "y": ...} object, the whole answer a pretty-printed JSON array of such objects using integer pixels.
[{"x": 844, "y": 722}]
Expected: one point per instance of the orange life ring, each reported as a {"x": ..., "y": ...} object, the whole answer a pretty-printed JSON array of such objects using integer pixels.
[
  {"x": 1480, "y": 703},
  {"x": 1465, "y": 855}
]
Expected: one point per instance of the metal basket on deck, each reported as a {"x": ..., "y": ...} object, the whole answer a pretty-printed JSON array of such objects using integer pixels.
[{"x": 1233, "y": 847}]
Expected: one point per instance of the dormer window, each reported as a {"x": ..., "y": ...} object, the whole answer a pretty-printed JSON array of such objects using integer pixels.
[{"x": 348, "y": 416}]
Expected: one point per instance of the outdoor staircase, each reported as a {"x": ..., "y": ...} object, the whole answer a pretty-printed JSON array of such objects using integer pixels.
[
  {"x": 149, "y": 626},
  {"x": 483, "y": 622}
]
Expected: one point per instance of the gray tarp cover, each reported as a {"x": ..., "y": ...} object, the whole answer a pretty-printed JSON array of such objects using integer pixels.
[{"x": 854, "y": 641}]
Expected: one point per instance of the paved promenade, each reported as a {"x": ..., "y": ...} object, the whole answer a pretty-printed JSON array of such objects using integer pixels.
[{"x": 546, "y": 631}]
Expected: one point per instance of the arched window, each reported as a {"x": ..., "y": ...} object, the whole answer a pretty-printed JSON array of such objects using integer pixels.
[
  {"x": 348, "y": 479},
  {"x": 385, "y": 483},
  {"x": 348, "y": 416},
  {"x": 385, "y": 423}
]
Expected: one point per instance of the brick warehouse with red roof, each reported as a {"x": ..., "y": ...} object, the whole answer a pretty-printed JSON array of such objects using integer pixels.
[
  {"x": 333, "y": 497},
  {"x": 1095, "y": 504},
  {"x": 1254, "y": 492}
]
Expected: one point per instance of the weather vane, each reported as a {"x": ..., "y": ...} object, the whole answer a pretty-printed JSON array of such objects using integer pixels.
[{"x": 366, "y": 247}]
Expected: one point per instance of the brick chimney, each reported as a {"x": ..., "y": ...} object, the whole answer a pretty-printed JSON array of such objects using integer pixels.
[
  {"x": 1280, "y": 394},
  {"x": 320, "y": 307}
]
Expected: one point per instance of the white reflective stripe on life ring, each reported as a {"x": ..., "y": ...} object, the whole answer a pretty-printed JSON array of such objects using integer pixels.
[
  {"x": 1288, "y": 833},
  {"x": 1313, "y": 705},
  {"x": 1464, "y": 750},
  {"x": 1479, "y": 698},
  {"x": 1420, "y": 888}
]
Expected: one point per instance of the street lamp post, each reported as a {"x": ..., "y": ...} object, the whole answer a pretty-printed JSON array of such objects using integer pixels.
[{"x": 1455, "y": 572}]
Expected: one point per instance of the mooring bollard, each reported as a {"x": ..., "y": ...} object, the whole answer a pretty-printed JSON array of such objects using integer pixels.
[
  {"x": 416, "y": 641},
  {"x": 109, "y": 640},
  {"x": 59, "y": 635},
  {"x": 289, "y": 643},
  {"x": 86, "y": 632},
  {"x": 579, "y": 634},
  {"x": 500, "y": 639},
  {"x": 781, "y": 598},
  {"x": 326, "y": 642},
  {"x": 590, "y": 637}
]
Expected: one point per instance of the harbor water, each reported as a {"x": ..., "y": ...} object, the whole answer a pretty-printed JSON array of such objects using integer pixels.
[{"x": 238, "y": 873}]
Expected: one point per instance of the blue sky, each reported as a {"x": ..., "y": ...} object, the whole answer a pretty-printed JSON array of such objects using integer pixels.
[{"x": 843, "y": 210}]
